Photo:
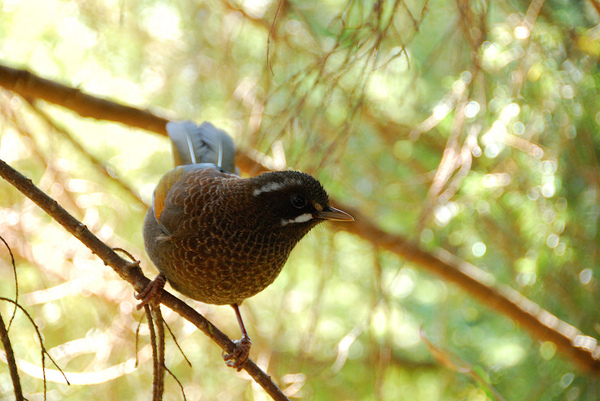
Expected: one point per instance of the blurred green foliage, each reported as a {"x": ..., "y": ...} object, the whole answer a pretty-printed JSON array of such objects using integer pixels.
[{"x": 470, "y": 126}]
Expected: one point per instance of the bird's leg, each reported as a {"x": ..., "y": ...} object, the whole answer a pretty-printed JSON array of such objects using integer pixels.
[
  {"x": 239, "y": 356},
  {"x": 152, "y": 291}
]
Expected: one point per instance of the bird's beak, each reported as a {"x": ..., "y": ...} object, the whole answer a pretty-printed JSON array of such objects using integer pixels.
[{"x": 331, "y": 213}]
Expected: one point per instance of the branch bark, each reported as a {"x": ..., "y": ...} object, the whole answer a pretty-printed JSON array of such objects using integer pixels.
[
  {"x": 31, "y": 86},
  {"x": 541, "y": 324}
]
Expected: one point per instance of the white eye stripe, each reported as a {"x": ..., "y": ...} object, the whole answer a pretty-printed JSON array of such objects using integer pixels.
[
  {"x": 275, "y": 186},
  {"x": 300, "y": 219},
  {"x": 272, "y": 186}
]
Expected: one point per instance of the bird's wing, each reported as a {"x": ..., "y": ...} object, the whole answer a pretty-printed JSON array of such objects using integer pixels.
[
  {"x": 162, "y": 190},
  {"x": 173, "y": 189}
]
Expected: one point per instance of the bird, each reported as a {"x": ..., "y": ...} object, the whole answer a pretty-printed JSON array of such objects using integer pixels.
[{"x": 219, "y": 238}]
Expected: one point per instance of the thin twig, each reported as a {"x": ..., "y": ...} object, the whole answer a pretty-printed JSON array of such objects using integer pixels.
[
  {"x": 14, "y": 267},
  {"x": 160, "y": 337},
  {"x": 10, "y": 355},
  {"x": 158, "y": 384},
  {"x": 177, "y": 344},
  {"x": 178, "y": 382},
  {"x": 137, "y": 340},
  {"x": 41, "y": 341},
  {"x": 12, "y": 363}
]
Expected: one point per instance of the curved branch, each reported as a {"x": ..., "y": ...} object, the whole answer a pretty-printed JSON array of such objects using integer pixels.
[
  {"x": 131, "y": 272},
  {"x": 540, "y": 323},
  {"x": 31, "y": 86}
]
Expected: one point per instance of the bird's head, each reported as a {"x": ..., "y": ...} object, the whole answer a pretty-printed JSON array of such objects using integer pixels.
[{"x": 293, "y": 200}]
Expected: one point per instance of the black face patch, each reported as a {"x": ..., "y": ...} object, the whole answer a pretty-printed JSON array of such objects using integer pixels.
[{"x": 290, "y": 196}]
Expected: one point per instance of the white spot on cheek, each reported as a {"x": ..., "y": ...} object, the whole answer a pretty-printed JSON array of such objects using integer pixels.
[{"x": 300, "y": 219}]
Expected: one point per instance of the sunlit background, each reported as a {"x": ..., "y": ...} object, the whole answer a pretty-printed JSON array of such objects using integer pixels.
[{"x": 467, "y": 126}]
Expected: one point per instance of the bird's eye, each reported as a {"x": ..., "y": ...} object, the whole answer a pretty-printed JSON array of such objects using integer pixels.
[{"x": 298, "y": 201}]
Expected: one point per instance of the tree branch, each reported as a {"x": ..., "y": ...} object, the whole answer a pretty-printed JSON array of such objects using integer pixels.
[
  {"x": 31, "y": 86},
  {"x": 131, "y": 272},
  {"x": 540, "y": 323}
]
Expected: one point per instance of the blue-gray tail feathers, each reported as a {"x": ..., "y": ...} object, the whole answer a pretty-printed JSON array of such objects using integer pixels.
[{"x": 194, "y": 144}]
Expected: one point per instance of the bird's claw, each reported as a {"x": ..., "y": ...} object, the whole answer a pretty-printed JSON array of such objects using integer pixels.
[
  {"x": 151, "y": 294},
  {"x": 240, "y": 354}
]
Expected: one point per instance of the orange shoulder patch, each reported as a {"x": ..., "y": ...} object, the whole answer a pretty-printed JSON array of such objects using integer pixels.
[{"x": 164, "y": 186}]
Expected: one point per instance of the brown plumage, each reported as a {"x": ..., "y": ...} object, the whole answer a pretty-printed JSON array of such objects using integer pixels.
[{"x": 220, "y": 239}]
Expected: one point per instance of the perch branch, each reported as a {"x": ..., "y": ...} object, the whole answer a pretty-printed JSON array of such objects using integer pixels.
[{"x": 131, "y": 272}]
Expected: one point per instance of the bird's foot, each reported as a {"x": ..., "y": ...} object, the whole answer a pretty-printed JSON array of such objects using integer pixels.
[
  {"x": 151, "y": 294},
  {"x": 240, "y": 354}
]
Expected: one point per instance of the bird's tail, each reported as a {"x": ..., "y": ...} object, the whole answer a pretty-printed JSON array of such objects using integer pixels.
[{"x": 195, "y": 144}]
